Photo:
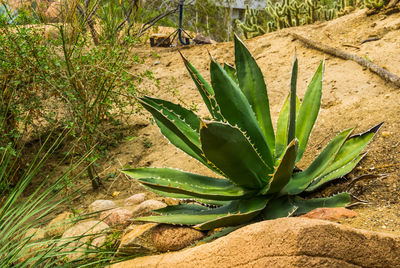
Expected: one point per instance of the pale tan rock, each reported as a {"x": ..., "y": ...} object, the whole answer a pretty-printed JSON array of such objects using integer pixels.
[
  {"x": 35, "y": 234},
  {"x": 138, "y": 240},
  {"x": 170, "y": 238},
  {"x": 33, "y": 245},
  {"x": 59, "y": 224},
  {"x": 286, "y": 242},
  {"x": 146, "y": 207},
  {"x": 153, "y": 237},
  {"x": 116, "y": 217},
  {"x": 135, "y": 199},
  {"x": 100, "y": 205},
  {"x": 93, "y": 231},
  {"x": 330, "y": 214}
]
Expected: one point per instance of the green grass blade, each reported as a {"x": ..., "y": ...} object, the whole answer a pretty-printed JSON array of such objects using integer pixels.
[
  {"x": 252, "y": 84},
  {"x": 309, "y": 110},
  {"x": 284, "y": 170},
  {"x": 301, "y": 180},
  {"x": 237, "y": 111},
  {"x": 232, "y": 152},
  {"x": 175, "y": 181},
  {"x": 282, "y": 126},
  {"x": 304, "y": 206}
]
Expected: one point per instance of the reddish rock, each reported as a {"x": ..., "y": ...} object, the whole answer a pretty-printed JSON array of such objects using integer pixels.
[
  {"x": 153, "y": 237},
  {"x": 116, "y": 217},
  {"x": 135, "y": 199},
  {"x": 330, "y": 214},
  {"x": 169, "y": 237}
]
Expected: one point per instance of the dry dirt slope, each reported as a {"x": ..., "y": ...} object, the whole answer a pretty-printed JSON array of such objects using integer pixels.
[{"x": 352, "y": 97}]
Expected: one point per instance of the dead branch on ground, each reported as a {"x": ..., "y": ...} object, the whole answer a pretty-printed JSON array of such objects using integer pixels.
[{"x": 384, "y": 74}]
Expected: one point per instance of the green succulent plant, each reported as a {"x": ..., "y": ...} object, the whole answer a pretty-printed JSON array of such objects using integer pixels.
[{"x": 254, "y": 164}]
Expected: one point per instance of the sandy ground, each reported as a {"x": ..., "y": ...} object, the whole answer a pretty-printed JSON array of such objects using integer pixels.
[{"x": 352, "y": 97}]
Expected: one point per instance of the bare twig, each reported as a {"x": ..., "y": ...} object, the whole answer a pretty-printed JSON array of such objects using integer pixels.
[{"x": 384, "y": 74}]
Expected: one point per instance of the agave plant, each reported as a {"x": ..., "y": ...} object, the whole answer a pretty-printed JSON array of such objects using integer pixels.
[{"x": 257, "y": 165}]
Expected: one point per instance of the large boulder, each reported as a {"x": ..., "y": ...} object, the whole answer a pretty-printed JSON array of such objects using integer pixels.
[{"x": 286, "y": 242}]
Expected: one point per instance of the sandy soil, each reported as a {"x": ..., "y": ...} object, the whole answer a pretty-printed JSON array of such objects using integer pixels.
[{"x": 352, "y": 97}]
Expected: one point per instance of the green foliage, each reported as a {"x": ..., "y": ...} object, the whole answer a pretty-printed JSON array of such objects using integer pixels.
[
  {"x": 65, "y": 82},
  {"x": 6, "y": 15},
  {"x": 239, "y": 144}
]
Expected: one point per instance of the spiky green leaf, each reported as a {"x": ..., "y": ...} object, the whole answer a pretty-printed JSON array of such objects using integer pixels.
[
  {"x": 292, "y": 110},
  {"x": 284, "y": 170},
  {"x": 304, "y": 206},
  {"x": 309, "y": 110},
  {"x": 283, "y": 125},
  {"x": 184, "y": 114},
  {"x": 176, "y": 181},
  {"x": 237, "y": 111},
  {"x": 235, "y": 213},
  {"x": 252, "y": 84},
  {"x": 230, "y": 151},
  {"x": 338, "y": 173},
  {"x": 301, "y": 180},
  {"x": 205, "y": 90}
]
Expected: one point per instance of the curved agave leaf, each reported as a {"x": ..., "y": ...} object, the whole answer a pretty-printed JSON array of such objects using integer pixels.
[
  {"x": 189, "y": 117},
  {"x": 347, "y": 158},
  {"x": 206, "y": 91},
  {"x": 306, "y": 205},
  {"x": 182, "y": 209},
  {"x": 301, "y": 180},
  {"x": 175, "y": 181},
  {"x": 338, "y": 173},
  {"x": 176, "y": 130},
  {"x": 284, "y": 170},
  {"x": 252, "y": 84},
  {"x": 287, "y": 206},
  {"x": 283, "y": 125},
  {"x": 292, "y": 110},
  {"x": 188, "y": 197},
  {"x": 230, "y": 151},
  {"x": 235, "y": 213},
  {"x": 309, "y": 110},
  {"x": 236, "y": 109}
]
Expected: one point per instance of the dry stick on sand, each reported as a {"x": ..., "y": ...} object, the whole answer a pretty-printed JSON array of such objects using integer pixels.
[{"x": 384, "y": 74}]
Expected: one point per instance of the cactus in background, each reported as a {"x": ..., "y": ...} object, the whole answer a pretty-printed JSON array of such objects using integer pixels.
[
  {"x": 375, "y": 4},
  {"x": 250, "y": 26}
]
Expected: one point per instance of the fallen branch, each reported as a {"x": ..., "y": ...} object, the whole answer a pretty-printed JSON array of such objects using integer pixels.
[{"x": 384, "y": 74}]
